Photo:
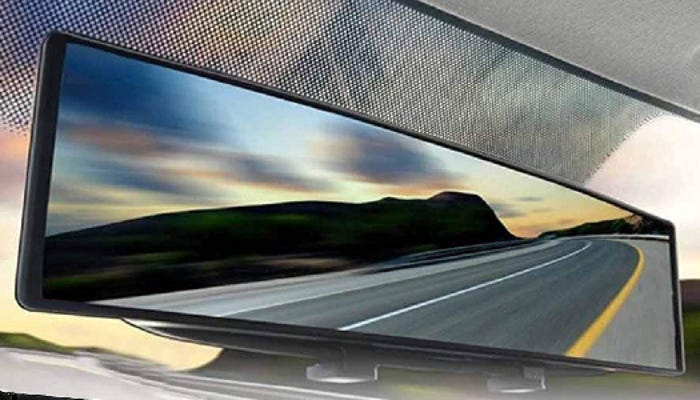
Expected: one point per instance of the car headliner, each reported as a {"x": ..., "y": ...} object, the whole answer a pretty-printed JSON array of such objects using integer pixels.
[{"x": 648, "y": 45}]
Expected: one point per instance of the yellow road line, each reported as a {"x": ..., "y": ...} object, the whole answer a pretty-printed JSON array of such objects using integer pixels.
[{"x": 586, "y": 341}]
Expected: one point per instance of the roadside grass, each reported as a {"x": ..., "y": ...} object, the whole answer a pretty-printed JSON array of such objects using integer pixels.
[
  {"x": 691, "y": 328},
  {"x": 29, "y": 342}
]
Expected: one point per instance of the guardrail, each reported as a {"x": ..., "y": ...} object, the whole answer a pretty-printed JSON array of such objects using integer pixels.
[
  {"x": 622, "y": 236},
  {"x": 452, "y": 253},
  {"x": 463, "y": 252}
]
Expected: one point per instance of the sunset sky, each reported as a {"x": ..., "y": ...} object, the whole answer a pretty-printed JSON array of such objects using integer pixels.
[
  {"x": 186, "y": 142},
  {"x": 674, "y": 196}
]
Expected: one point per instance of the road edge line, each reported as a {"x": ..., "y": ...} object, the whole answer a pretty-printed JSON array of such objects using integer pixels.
[{"x": 590, "y": 336}]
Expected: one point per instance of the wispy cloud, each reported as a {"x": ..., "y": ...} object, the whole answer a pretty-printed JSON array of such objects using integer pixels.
[
  {"x": 111, "y": 90},
  {"x": 142, "y": 160},
  {"x": 150, "y": 179},
  {"x": 238, "y": 169},
  {"x": 529, "y": 199},
  {"x": 507, "y": 210},
  {"x": 256, "y": 169},
  {"x": 368, "y": 154},
  {"x": 113, "y": 138}
]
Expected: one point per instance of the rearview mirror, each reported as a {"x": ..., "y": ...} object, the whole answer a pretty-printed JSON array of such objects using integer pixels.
[{"x": 162, "y": 192}]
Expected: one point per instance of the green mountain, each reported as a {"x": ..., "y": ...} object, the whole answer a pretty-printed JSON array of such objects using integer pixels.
[{"x": 240, "y": 244}]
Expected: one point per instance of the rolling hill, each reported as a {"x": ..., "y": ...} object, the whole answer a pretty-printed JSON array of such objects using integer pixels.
[
  {"x": 201, "y": 248},
  {"x": 632, "y": 224}
]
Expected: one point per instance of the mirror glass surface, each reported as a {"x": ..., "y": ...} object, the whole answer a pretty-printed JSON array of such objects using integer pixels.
[{"x": 175, "y": 192}]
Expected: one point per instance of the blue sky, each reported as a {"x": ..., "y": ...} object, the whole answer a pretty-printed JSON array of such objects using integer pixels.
[{"x": 138, "y": 139}]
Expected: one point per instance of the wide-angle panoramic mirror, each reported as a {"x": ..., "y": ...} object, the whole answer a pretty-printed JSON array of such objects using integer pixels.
[{"x": 167, "y": 190}]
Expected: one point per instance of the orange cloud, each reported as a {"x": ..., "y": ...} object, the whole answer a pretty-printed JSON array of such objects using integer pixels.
[
  {"x": 13, "y": 159},
  {"x": 117, "y": 140}
]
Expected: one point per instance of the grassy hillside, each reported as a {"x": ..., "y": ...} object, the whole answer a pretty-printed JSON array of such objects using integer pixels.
[
  {"x": 25, "y": 341},
  {"x": 691, "y": 327},
  {"x": 632, "y": 224},
  {"x": 240, "y": 244}
]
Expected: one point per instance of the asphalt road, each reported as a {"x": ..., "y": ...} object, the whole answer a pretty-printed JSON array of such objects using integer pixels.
[
  {"x": 561, "y": 297},
  {"x": 105, "y": 376},
  {"x": 44, "y": 373},
  {"x": 643, "y": 329}
]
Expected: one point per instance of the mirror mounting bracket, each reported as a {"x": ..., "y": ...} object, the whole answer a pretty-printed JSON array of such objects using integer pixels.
[
  {"x": 351, "y": 367},
  {"x": 529, "y": 380},
  {"x": 352, "y": 363}
]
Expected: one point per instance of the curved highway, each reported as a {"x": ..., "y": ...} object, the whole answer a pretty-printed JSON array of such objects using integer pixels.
[{"x": 594, "y": 297}]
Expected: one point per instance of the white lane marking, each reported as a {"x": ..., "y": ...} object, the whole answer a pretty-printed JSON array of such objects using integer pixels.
[
  {"x": 460, "y": 292},
  {"x": 316, "y": 296}
]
